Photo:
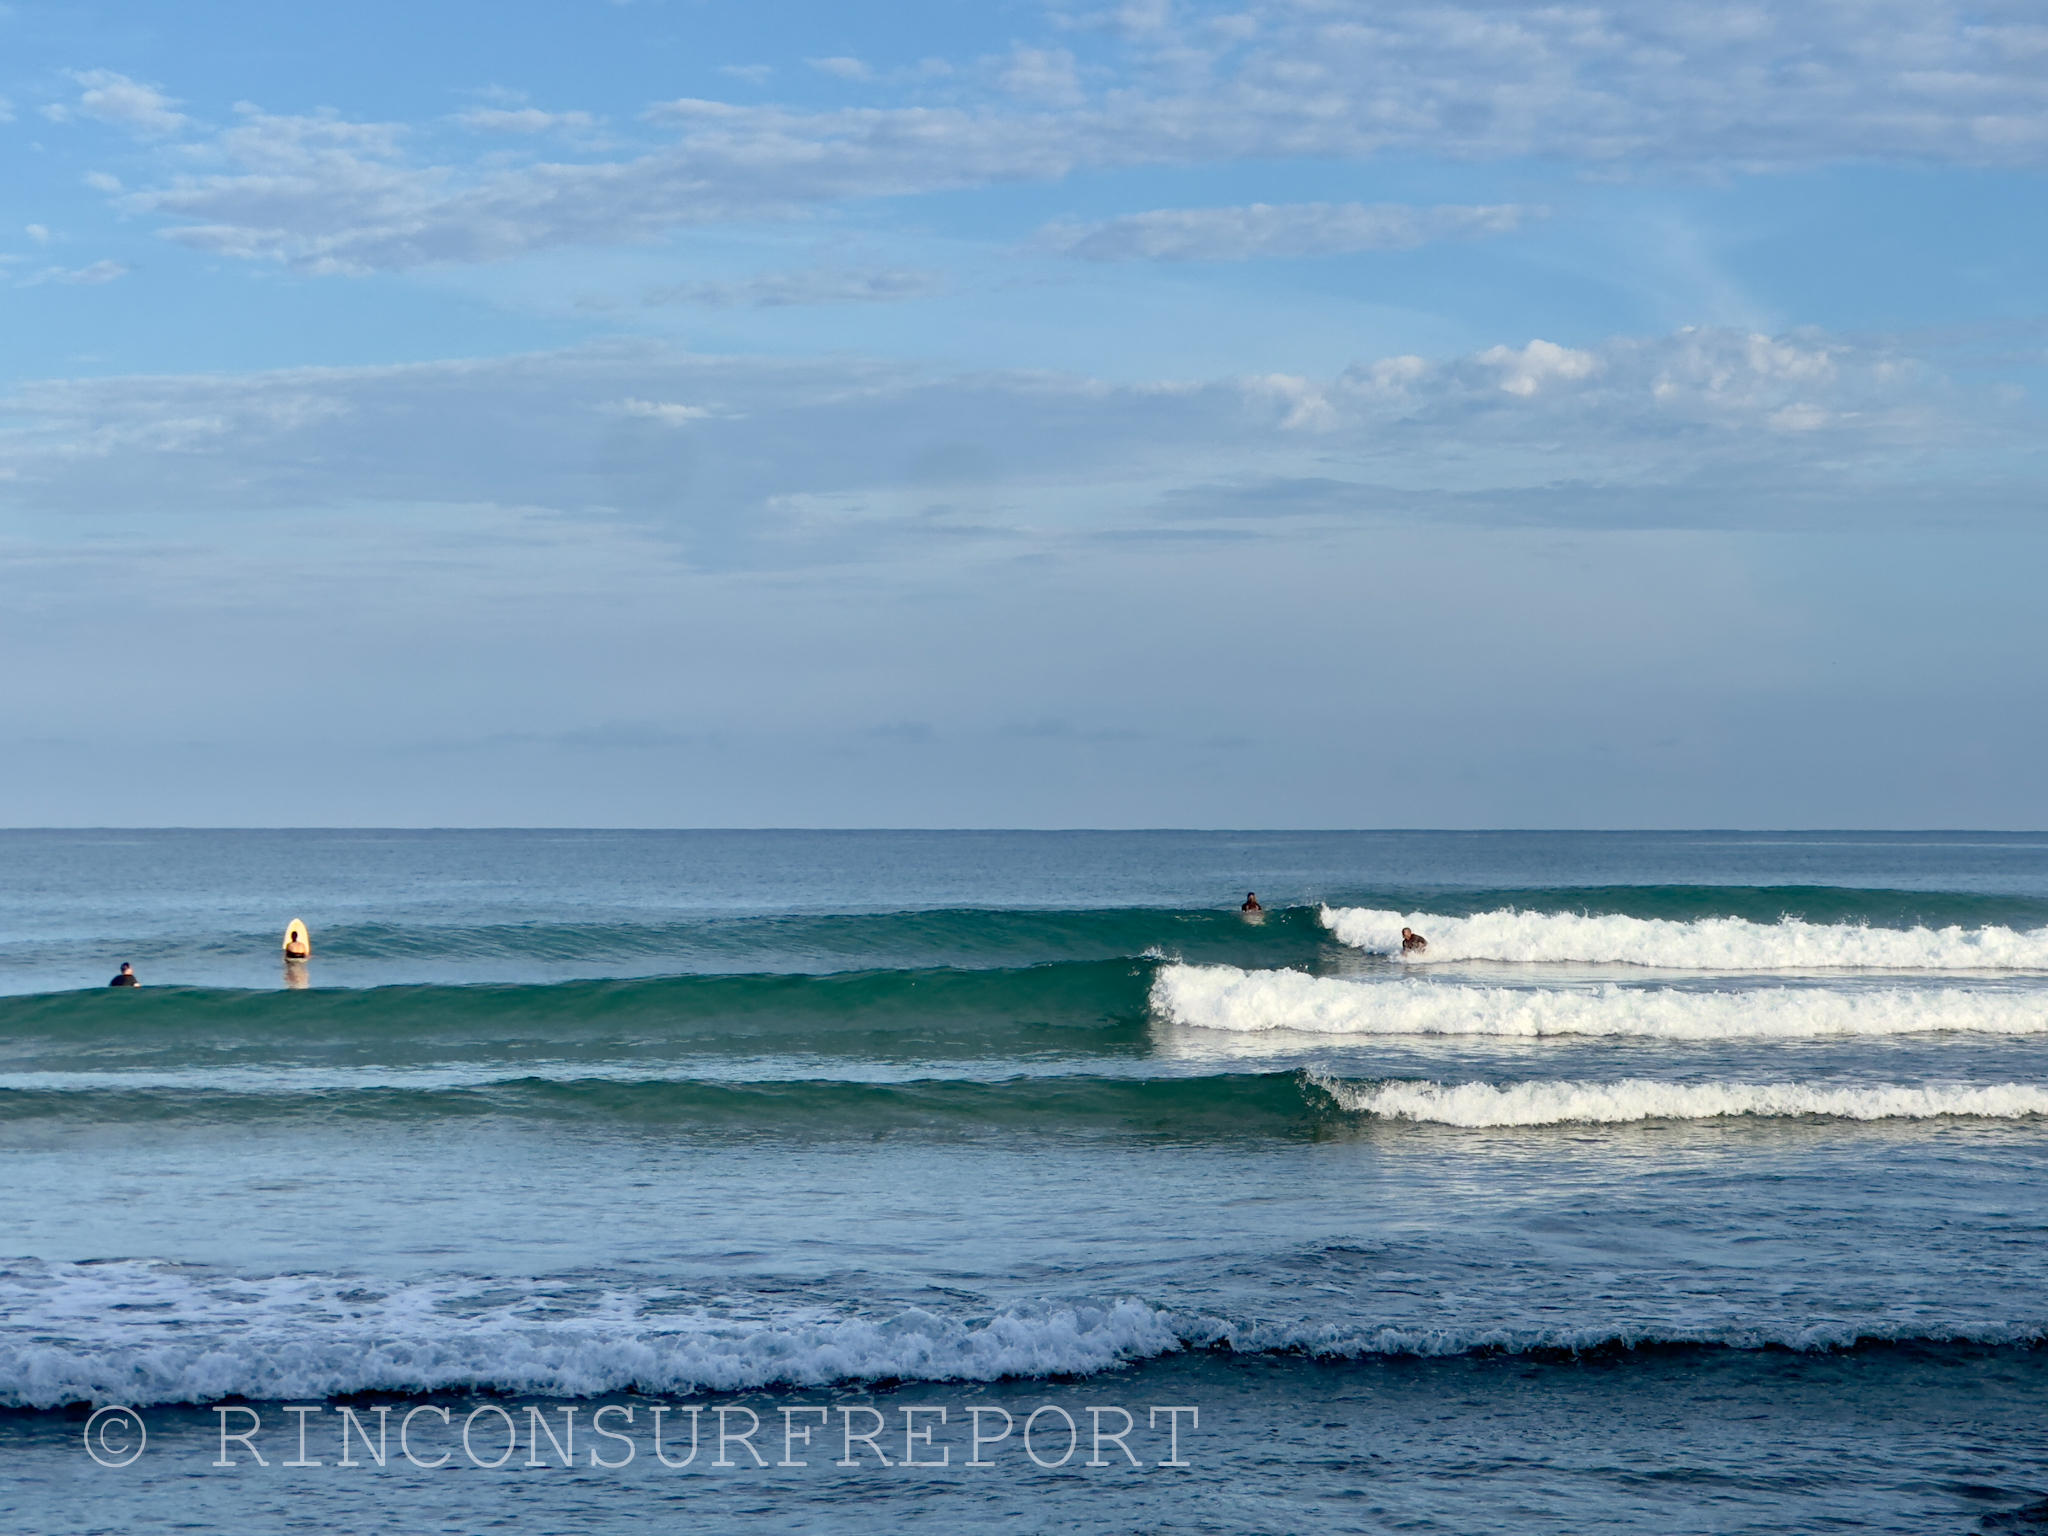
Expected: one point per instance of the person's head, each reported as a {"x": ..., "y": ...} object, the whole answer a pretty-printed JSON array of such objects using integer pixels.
[
  {"x": 1251, "y": 895},
  {"x": 1407, "y": 933},
  {"x": 126, "y": 967}
]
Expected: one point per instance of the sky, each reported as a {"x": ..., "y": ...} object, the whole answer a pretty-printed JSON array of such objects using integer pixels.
[{"x": 1271, "y": 413}]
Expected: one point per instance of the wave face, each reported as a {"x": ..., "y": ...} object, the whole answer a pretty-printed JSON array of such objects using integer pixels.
[
  {"x": 1702, "y": 944},
  {"x": 1631, "y": 1099},
  {"x": 831, "y": 940},
  {"x": 1083, "y": 1005},
  {"x": 564, "y": 947},
  {"x": 1219, "y": 1108},
  {"x": 1246, "y": 1002}
]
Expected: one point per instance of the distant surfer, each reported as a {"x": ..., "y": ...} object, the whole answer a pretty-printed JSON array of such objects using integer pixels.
[
  {"x": 1251, "y": 902},
  {"x": 1412, "y": 943},
  {"x": 126, "y": 977},
  {"x": 298, "y": 944}
]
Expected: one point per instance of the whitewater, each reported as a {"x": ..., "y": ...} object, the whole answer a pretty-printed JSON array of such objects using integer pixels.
[
  {"x": 1708, "y": 944},
  {"x": 1220, "y": 997},
  {"x": 1632, "y": 1099}
]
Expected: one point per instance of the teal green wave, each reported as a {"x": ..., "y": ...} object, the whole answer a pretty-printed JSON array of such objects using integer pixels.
[{"x": 1237, "y": 1106}]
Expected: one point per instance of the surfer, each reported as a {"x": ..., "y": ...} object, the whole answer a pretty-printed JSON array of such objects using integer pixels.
[
  {"x": 1251, "y": 902},
  {"x": 298, "y": 944},
  {"x": 126, "y": 977},
  {"x": 1412, "y": 943}
]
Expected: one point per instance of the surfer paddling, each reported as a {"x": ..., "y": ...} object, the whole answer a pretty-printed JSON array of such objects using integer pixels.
[
  {"x": 1412, "y": 943},
  {"x": 125, "y": 977},
  {"x": 1251, "y": 902}
]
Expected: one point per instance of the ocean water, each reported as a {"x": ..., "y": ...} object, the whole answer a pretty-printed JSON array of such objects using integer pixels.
[{"x": 901, "y": 1181}]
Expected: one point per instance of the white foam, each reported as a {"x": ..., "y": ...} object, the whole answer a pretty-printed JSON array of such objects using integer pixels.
[
  {"x": 1351, "y": 1340},
  {"x": 1707, "y": 944},
  {"x": 147, "y": 1333},
  {"x": 1223, "y": 997},
  {"x": 1635, "y": 1098},
  {"x": 140, "y": 1332}
]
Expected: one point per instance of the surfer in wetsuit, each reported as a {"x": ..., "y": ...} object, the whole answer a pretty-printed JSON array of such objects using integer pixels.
[
  {"x": 126, "y": 978},
  {"x": 1251, "y": 902},
  {"x": 1412, "y": 942}
]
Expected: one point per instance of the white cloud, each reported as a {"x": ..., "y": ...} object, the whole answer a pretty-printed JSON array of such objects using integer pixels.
[
  {"x": 1539, "y": 363},
  {"x": 1269, "y": 230},
  {"x": 100, "y": 181},
  {"x": 98, "y": 272},
  {"x": 114, "y": 98},
  {"x": 334, "y": 196},
  {"x": 523, "y": 120},
  {"x": 39, "y": 233},
  {"x": 1305, "y": 404},
  {"x": 841, "y": 68},
  {"x": 778, "y": 290},
  {"x": 1622, "y": 86},
  {"x": 1799, "y": 417},
  {"x": 670, "y": 413},
  {"x": 1047, "y": 75},
  {"x": 753, "y": 74}
]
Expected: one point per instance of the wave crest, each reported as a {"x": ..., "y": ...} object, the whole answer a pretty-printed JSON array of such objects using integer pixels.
[
  {"x": 1635, "y": 1098},
  {"x": 1703, "y": 944},
  {"x": 1223, "y": 997},
  {"x": 91, "y": 1335}
]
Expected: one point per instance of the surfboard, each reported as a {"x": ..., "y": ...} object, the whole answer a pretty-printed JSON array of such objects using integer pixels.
[{"x": 298, "y": 944}]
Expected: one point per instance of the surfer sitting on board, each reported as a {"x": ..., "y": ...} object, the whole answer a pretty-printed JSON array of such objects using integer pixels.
[
  {"x": 126, "y": 978},
  {"x": 1412, "y": 942},
  {"x": 1251, "y": 902}
]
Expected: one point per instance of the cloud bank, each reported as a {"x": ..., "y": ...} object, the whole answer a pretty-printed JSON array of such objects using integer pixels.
[
  {"x": 1616, "y": 87},
  {"x": 766, "y": 462}
]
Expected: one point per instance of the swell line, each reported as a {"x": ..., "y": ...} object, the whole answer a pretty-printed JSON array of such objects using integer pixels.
[
  {"x": 1083, "y": 1005},
  {"x": 142, "y": 1332}
]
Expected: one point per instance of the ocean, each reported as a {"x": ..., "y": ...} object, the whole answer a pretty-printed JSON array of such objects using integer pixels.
[{"x": 884, "y": 1181}]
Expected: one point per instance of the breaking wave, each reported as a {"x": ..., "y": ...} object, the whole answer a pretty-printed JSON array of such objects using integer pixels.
[
  {"x": 146, "y": 1333},
  {"x": 1635, "y": 1098},
  {"x": 1226, "y": 998},
  {"x": 1703, "y": 944},
  {"x": 140, "y": 1332}
]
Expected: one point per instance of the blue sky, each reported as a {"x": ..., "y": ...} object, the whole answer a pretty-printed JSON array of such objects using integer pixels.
[{"x": 1300, "y": 413}]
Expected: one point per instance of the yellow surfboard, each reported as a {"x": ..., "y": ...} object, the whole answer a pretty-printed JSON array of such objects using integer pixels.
[{"x": 298, "y": 944}]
